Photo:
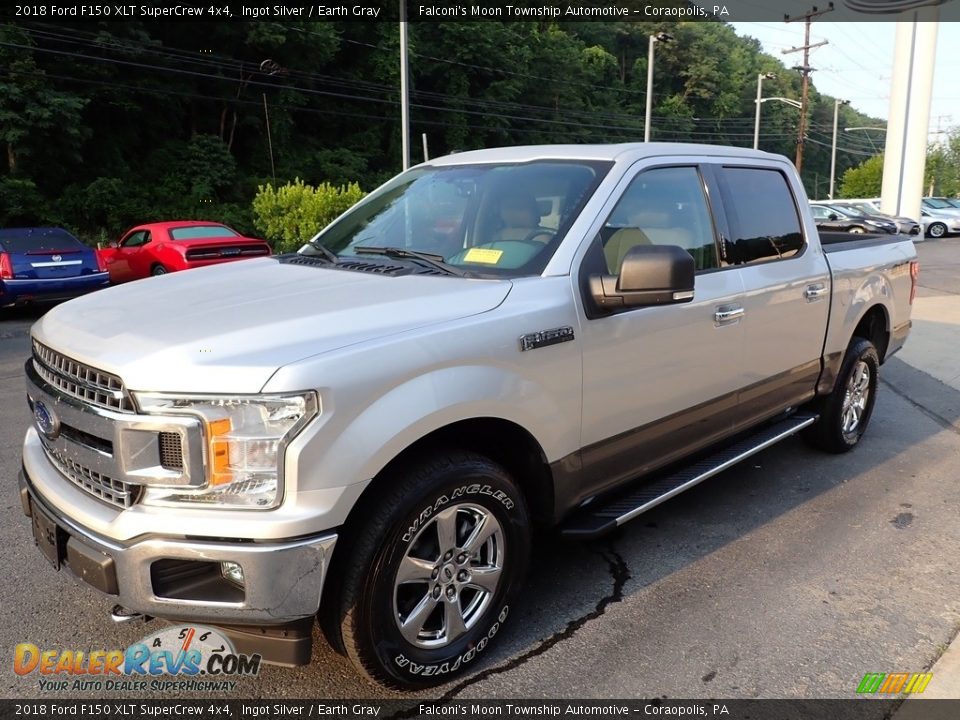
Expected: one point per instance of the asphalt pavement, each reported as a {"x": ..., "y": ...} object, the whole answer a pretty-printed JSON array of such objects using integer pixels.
[{"x": 791, "y": 575}]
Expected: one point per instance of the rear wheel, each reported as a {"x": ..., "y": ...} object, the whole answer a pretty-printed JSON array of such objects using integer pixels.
[
  {"x": 434, "y": 571},
  {"x": 845, "y": 413},
  {"x": 158, "y": 270},
  {"x": 937, "y": 230}
]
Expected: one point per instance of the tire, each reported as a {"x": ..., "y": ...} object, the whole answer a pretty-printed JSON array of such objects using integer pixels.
[
  {"x": 158, "y": 270},
  {"x": 845, "y": 413},
  {"x": 937, "y": 230},
  {"x": 424, "y": 527},
  {"x": 857, "y": 230}
]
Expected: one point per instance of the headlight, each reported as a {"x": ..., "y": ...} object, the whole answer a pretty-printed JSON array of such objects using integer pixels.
[{"x": 244, "y": 437}]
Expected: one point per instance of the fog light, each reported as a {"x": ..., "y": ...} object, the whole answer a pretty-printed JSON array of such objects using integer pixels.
[{"x": 233, "y": 572}]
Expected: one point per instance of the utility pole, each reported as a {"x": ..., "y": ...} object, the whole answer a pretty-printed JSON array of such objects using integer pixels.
[{"x": 805, "y": 70}]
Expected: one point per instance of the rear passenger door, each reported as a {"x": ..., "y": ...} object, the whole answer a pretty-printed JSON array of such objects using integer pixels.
[
  {"x": 786, "y": 286},
  {"x": 658, "y": 382}
]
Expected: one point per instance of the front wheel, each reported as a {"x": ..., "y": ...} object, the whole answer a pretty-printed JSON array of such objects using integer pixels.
[
  {"x": 937, "y": 230},
  {"x": 857, "y": 230},
  {"x": 158, "y": 270},
  {"x": 845, "y": 413},
  {"x": 434, "y": 571}
]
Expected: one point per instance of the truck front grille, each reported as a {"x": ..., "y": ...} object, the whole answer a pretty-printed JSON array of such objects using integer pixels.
[
  {"x": 115, "y": 492},
  {"x": 81, "y": 381}
]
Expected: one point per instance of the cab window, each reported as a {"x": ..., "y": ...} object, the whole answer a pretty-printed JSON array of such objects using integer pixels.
[{"x": 661, "y": 206}]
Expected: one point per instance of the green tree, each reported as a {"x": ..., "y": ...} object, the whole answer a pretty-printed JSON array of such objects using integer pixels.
[
  {"x": 864, "y": 180},
  {"x": 290, "y": 215}
]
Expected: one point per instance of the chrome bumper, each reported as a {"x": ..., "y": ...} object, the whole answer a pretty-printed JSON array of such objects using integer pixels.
[{"x": 283, "y": 581}]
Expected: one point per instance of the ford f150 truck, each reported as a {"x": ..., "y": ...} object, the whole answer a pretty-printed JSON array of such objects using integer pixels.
[{"x": 366, "y": 432}]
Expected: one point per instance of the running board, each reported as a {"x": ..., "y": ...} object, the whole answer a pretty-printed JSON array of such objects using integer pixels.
[{"x": 591, "y": 523}]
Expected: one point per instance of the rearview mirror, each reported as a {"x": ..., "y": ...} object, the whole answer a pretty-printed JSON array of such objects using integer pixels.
[{"x": 649, "y": 275}]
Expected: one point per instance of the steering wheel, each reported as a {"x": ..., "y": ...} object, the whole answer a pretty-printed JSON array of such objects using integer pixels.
[{"x": 538, "y": 232}]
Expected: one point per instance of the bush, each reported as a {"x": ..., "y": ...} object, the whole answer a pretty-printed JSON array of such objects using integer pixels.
[{"x": 290, "y": 215}]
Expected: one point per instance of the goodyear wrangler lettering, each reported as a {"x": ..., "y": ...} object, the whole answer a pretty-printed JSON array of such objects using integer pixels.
[{"x": 474, "y": 489}]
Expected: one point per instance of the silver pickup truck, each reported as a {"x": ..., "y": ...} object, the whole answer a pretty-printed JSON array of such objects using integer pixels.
[{"x": 367, "y": 432}]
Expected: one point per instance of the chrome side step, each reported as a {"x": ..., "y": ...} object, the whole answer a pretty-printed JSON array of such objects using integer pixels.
[{"x": 592, "y": 522}]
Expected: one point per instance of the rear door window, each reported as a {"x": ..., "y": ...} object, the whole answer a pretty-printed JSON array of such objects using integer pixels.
[{"x": 763, "y": 218}]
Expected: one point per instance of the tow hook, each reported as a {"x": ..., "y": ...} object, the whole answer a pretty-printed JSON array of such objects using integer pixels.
[{"x": 120, "y": 614}]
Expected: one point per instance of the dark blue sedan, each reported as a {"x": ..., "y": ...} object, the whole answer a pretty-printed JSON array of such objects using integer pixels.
[{"x": 46, "y": 264}]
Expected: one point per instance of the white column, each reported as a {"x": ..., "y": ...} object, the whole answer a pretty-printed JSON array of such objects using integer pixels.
[
  {"x": 905, "y": 153},
  {"x": 404, "y": 87}
]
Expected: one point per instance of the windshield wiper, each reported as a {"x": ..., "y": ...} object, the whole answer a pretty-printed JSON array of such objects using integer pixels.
[
  {"x": 434, "y": 261},
  {"x": 324, "y": 251}
]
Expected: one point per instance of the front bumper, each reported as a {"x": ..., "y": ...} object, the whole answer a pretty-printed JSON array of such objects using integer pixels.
[{"x": 178, "y": 577}]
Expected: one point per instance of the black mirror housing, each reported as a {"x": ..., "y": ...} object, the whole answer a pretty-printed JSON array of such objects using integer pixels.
[{"x": 649, "y": 275}]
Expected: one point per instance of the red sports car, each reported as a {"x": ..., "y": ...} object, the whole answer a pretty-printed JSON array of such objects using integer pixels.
[{"x": 162, "y": 247}]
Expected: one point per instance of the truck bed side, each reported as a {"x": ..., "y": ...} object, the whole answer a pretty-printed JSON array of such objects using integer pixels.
[{"x": 869, "y": 272}]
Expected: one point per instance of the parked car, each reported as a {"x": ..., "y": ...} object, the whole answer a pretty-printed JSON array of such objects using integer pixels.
[
  {"x": 836, "y": 219},
  {"x": 938, "y": 224},
  {"x": 163, "y": 247},
  {"x": 940, "y": 205},
  {"x": 904, "y": 225},
  {"x": 367, "y": 433},
  {"x": 44, "y": 264}
]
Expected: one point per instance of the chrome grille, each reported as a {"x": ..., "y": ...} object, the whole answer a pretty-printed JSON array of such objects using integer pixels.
[
  {"x": 81, "y": 381},
  {"x": 115, "y": 492},
  {"x": 171, "y": 451}
]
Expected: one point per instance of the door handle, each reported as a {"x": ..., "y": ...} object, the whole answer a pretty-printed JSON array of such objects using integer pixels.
[
  {"x": 815, "y": 292},
  {"x": 728, "y": 314}
]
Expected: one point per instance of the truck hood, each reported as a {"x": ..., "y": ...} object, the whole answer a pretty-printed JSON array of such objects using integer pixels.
[{"x": 228, "y": 328}]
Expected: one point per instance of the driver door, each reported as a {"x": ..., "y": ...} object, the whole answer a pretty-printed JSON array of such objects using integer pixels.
[
  {"x": 121, "y": 268},
  {"x": 658, "y": 382}
]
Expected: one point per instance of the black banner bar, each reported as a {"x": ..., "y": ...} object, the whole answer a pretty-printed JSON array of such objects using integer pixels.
[
  {"x": 474, "y": 10},
  {"x": 213, "y": 709}
]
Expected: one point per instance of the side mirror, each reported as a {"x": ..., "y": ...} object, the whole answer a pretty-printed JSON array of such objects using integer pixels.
[
  {"x": 833, "y": 216},
  {"x": 649, "y": 275},
  {"x": 114, "y": 244}
]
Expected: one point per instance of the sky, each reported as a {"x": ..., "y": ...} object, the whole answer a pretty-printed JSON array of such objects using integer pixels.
[{"x": 857, "y": 64}]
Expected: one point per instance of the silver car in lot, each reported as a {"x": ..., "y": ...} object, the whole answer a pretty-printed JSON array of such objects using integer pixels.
[{"x": 937, "y": 224}]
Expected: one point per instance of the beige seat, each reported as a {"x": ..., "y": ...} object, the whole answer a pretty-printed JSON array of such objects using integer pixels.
[{"x": 648, "y": 227}]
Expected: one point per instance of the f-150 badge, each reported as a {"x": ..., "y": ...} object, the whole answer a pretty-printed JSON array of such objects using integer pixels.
[{"x": 532, "y": 341}]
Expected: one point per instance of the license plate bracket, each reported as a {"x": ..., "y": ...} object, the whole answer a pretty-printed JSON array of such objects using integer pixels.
[{"x": 48, "y": 536}]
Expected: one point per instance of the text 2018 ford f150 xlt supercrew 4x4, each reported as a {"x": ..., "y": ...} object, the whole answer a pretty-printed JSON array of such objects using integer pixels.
[{"x": 367, "y": 431}]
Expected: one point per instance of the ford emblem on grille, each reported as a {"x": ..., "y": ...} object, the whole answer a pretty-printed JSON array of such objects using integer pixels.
[{"x": 47, "y": 420}]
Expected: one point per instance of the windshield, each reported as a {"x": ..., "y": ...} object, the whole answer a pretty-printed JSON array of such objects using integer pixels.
[
  {"x": 38, "y": 240},
  {"x": 503, "y": 220},
  {"x": 848, "y": 212},
  {"x": 937, "y": 203},
  {"x": 864, "y": 208},
  {"x": 201, "y": 231}
]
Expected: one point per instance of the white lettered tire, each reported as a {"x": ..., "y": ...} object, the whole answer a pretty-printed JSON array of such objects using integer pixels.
[{"x": 433, "y": 571}]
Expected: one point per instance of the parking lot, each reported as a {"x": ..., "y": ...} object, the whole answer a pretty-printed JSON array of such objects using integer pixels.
[{"x": 790, "y": 575}]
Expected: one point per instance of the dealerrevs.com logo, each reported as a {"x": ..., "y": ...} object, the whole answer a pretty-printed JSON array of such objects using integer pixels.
[{"x": 184, "y": 657}]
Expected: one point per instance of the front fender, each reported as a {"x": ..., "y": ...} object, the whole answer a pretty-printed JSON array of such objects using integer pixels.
[{"x": 413, "y": 409}]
